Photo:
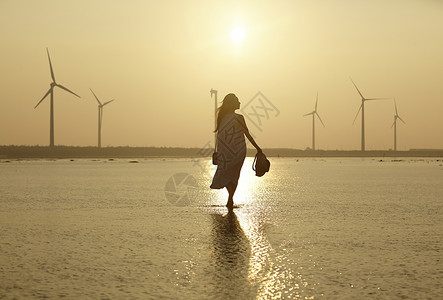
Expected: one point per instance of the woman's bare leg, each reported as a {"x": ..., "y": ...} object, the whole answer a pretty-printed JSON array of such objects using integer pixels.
[{"x": 231, "y": 187}]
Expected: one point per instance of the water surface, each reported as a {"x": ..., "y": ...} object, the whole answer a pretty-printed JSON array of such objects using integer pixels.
[{"x": 311, "y": 228}]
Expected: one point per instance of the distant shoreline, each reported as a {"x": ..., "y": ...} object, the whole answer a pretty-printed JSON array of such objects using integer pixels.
[{"x": 35, "y": 152}]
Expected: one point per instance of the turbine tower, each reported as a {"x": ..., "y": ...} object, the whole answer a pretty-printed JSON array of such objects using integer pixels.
[
  {"x": 314, "y": 113},
  {"x": 396, "y": 116},
  {"x": 362, "y": 108},
  {"x": 214, "y": 92},
  {"x": 51, "y": 92},
  {"x": 100, "y": 117}
]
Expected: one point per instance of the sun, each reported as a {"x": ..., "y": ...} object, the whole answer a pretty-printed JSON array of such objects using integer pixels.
[{"x": 238, "y": 34}]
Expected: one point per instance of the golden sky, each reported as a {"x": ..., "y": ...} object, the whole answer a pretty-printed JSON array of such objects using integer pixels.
[{"x": 159, "y": 60}]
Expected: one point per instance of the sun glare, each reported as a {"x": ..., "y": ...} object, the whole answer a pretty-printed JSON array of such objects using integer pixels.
[{"x": 238, "y": 34}]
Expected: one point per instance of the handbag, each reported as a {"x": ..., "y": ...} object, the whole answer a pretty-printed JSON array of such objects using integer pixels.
[
  {"x": 261, "y": 164},
  {"x": 214, "y": 158},
  {"x": 214, "y": 155}
]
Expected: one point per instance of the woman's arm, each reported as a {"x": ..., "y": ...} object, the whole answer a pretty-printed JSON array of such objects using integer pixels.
[
  {"x": 251, "y": 139},
  {"x": 248, "y": 135}
]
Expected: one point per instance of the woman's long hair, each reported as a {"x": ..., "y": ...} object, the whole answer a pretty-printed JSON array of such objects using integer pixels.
[{"x": 228, "y": 106}]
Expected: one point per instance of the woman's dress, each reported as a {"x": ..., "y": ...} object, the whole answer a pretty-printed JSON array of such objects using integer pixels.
[{"x": 231, "y": 151}]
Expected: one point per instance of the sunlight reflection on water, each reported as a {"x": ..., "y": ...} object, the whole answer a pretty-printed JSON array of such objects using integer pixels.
[
  {"x": 271, "y": 271},
  {"x": 271, "y": 274}
]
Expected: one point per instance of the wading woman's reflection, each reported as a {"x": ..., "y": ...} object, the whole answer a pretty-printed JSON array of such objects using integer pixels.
[{"x": 231, "y": 251}]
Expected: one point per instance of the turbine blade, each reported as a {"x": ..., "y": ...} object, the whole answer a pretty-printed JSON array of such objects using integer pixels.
[
  {"x": 357, "y": 89},
  {"x": 47, "y": 93},
  {"x": 316, "y": 102},
  {"x": 395, "y": 103},
  {"x": 376, "y": 99},
  {"x": 62, "y": 87},
  {"x": 320, "y": 119},
  {"x": 99, "y": 103},
  {"x": 308, "y": 114},
  {"x": 357, "y": 113},
  {"x": 50, "y": 65},
  {"x": 401, "y": 119},
  {"x": 108, "y": 102},
  {"x": 395, "y": 120}
]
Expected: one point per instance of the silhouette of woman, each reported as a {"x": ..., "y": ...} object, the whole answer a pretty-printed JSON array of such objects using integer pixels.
[{"x": 231, "y": 147}]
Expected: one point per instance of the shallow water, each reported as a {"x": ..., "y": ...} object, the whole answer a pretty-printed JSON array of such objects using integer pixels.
[{"x": 311, "y": 228}]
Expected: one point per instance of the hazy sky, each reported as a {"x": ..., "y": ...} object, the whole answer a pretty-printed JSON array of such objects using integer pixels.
[{"x": 159, "y": 60}]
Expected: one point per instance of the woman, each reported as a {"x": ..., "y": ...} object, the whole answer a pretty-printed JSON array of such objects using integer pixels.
[{"x": 231, "y": 147}]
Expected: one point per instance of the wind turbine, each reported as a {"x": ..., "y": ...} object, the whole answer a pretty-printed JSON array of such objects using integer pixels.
[
  {"x": 396, "y": 116},
  {"x": 314, "y": 113},
  {"x": 100, "y": 117},
  {"x": 362, "y": 108},
  {"x": 51, "y": 92}
]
